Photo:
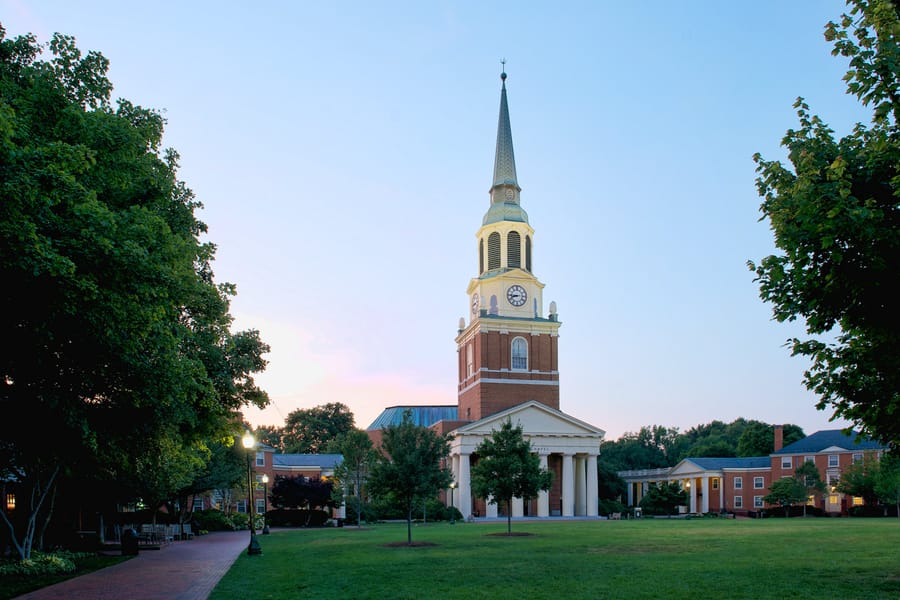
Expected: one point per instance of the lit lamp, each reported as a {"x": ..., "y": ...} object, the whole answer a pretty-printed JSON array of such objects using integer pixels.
[
  {"x": 452, "y": 510},
  {"x": 265, "y": 480},
  {"x": 249, "y": 444},
  {"x": 10, "y": 502}
]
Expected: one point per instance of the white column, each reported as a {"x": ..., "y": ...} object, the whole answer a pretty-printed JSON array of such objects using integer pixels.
[
  {"x": 643, "y": 491},
  {"x": 721, "y": 493},
  {"x": 580, "y": 488},
  {"x": 490, "y": 509},
  {"x": 592, "y": 486},
  {"x": 465, "y": 490},
  {"x": 544, "y": 496},
  {"x": 705, "y": 503},
  {"x": 568, "y": 486},
  {"x": 630, "y": 493},
  {"x": 518, "y": 508},
  {"x": 454, "y": 469},
  {"x": 693, "y": 507}
]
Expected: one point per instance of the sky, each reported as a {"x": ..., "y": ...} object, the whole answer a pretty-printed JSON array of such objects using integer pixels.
[{"x": 343, "y": 153}]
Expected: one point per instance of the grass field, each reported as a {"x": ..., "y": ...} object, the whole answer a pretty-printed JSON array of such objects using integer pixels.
[{"x": 653, "y": 558}]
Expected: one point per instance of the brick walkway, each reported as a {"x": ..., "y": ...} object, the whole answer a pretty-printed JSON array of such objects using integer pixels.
[{"x": 187, "y": 570}]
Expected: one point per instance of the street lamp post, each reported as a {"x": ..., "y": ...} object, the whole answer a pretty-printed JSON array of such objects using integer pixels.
[
  {"x": 249, "y": 444},
  {"x": 265, "y": 480},
  {"x": 452, "y": 510}
]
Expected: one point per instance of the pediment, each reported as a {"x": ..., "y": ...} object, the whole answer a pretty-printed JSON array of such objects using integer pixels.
[
  {"x": 686, "y": 467},
  {"x": 536, "y": 419},
  {"x": 832, "y": 450}
]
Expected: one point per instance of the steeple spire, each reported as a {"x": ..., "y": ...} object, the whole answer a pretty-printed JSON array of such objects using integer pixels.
[
  {"x": 505, "y": 188},
  {"x": 504, "y": 159}
]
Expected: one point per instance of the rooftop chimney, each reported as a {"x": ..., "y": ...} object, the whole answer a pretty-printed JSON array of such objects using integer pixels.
[{"x": 779, "y": 438}]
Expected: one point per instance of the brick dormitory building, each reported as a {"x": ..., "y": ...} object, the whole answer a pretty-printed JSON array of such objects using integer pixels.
[{"x": 739, "y": 485}]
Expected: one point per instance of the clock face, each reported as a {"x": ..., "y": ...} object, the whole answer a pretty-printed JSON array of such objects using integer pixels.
[
  {"x": 474, "y": 304},
  {"x": 516, "y": 295}
]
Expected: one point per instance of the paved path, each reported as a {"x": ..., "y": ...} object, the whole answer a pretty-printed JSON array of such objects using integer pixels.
[{"x": 184, "y": 570}]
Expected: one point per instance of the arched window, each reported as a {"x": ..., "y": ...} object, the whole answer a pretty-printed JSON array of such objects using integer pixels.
[
  {"x": 470, "y": 360},
  {"x": 493, "y": 251},
  {"x": 480, "y": 256},
  {"x": 519, "y": 354},
  {"x": 528, "y": 253},
  {"x": 513, "y": 250}
]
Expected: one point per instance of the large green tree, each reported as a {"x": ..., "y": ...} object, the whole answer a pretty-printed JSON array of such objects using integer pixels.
[
  {"x": 860, "y": 478},
  {"x": 664, "y": 498},
  {"x": 508, "y": 469},
  {"x": 887, "y": 486},
  {"x": 809, "y": 478},
  {"x": 835, "y": 217},
  {"x": 409, "y": 467},
  {"x": 311, "y": 430},
  {"x": 117, "y": 354}
]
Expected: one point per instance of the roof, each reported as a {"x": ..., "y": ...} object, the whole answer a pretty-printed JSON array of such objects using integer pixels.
[
  {"x": 716, "y": 464},
  {"x": 425, "y": 416},
  {"x": 324, "y": 461},
  {"x": 830, "y": 438}
]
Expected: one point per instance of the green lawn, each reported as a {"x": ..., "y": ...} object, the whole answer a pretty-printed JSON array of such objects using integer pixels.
[{"x": 652, "y": 558}]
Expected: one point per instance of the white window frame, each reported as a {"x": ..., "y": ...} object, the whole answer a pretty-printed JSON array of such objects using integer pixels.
[
  {"x": 738, "y": 483},
  {"x": 715, "y": 483},
  {"x": 787, "y": 462},
  {"x": 858, "y": 457},
  {"x": 514, "y": 358},
  {"x": 470, "y": 359},
  {"x": 739, "y": 502},
  {"x": 759, "y": 483},
  {"x": 834, "y": 460},
  {"x": 811, "y": 459},
  {"x": 242, "y": 505},
  {"x": 758, "y": 502},
  {"x": 260, "y": 459},
  {"x": 197, "y": 504},
  {"x": 260, "y": 506}
]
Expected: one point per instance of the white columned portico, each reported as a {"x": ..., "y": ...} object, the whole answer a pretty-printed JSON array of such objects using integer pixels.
[
  {"x": 518, "y": 507},
  {"x": 722, "y": 493},
  {"x": 693, "y": 483},
  {"x": 568, "y": 486},
  {"x": 704, "y": 504},
  {"x": 543, "y": 495},
  {"x": 592, "y": 486},
  {"x": 580, "y": 504},
  {"x": 465, "y": 490}
]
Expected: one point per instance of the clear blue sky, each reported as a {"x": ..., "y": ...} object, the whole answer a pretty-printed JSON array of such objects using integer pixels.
[{"x": 343, "y": 153}]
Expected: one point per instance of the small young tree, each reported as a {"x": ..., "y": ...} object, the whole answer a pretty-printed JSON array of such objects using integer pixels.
[
  {"x": 507, "y": 469},
  {"x": 887, "y": 487},
  {"x": 808, "y": 478},
  {"x": 353, "y": 472},
  {"x": 663, "y": 498},
  {"x": 786, "y": 492},
  {"x": 409, "y": 467}
]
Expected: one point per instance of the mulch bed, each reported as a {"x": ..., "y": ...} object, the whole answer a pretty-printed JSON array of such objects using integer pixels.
[{"x": 413, "y": 545}]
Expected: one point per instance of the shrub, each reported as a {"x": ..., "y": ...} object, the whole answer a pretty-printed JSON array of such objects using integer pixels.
[
  {"x": 297, "y": 517},
  {"x": 42, "y": 564},
  {"x": 607, "y": 507},
  {"x": 215, "y": 520}
]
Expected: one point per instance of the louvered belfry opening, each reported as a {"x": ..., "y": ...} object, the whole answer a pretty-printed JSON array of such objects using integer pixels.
[
  {"x": 514, "y": 250},
  {"x": 493, "y": 251},
  {"x": 528, "y": 253}
]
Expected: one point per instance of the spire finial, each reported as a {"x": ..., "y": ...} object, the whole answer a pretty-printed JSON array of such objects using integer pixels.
[{"x": 503, "y": 70}]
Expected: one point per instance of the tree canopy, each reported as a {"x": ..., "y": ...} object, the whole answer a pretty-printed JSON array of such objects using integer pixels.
[
  {"x": 311, "y": 430},
  {"x": 835, "y": 217},
  {"x": 507, "y": 469},
  {"x": 409, "y": 468},
  {"x": 353, "y": 473},
  {"x": 116, "y": 337}
]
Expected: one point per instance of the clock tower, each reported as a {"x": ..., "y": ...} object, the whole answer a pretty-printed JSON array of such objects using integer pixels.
[{"x": 508, "y": 352}]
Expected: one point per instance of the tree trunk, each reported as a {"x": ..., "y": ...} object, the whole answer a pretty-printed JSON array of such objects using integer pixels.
[{"x": 409, "y": 510}]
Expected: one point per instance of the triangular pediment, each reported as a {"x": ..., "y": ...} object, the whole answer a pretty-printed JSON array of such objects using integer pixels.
[
  {"x": 535, "y": 419},
  {"x": 686, "y": 467},
  {"x": 832, "y": 450}
]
